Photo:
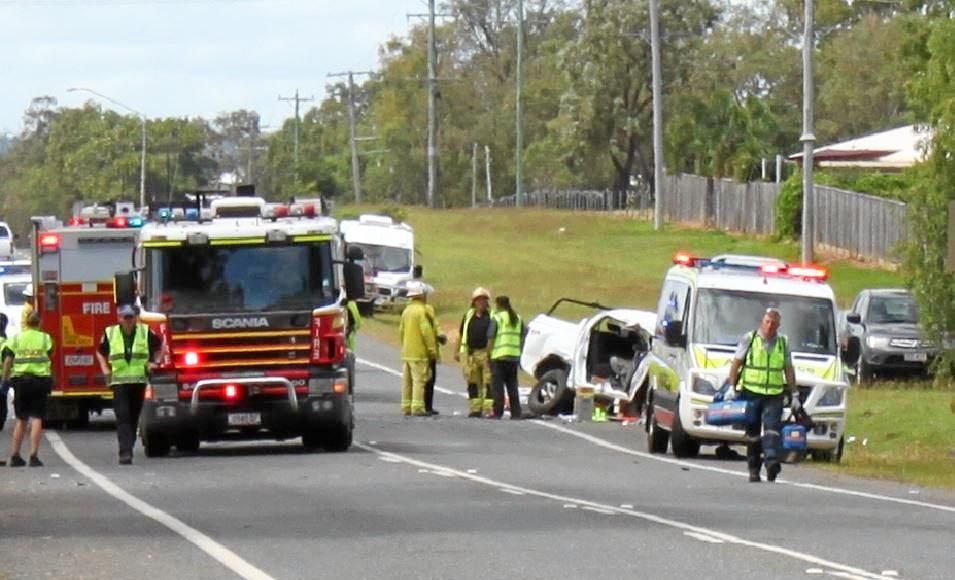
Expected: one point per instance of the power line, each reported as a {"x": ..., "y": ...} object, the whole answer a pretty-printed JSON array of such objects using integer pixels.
[{"x": 355, "y": 169}]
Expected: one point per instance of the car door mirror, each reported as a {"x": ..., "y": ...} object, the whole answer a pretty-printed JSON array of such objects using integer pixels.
[
  {"x": 673, "y": 333},
  {"x": 418, "y": 272},
  {"x": 854, "y": 318},
  {"x": 354, "y": 281},
  {"x": 124, "y": 287}
]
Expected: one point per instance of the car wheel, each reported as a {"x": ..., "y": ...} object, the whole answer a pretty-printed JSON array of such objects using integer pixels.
[
  {"x": 683, "y": 444},
  {"x": 864, "y": 371},
  {"x": 156, "y": 444},
  {"x": 657, "y": 438},
  {"x": 188, "y": 443},
  {"x": 551, "y": 396}
]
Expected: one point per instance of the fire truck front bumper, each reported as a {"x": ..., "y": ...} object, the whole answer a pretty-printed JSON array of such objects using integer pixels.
[{"x": 327, "y": 403}]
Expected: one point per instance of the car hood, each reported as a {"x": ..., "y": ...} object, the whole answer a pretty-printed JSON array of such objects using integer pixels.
[{"x": 895, "y": 330}]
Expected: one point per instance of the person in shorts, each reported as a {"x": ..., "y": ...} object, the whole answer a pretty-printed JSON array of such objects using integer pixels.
[{"x": 27, "y": 365}]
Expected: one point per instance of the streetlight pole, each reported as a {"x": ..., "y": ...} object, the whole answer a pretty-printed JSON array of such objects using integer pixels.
[
  {"x": 658, "y": 192},
  {"x": 808, "y": 137},
  {"x": 142, "y": 118}
]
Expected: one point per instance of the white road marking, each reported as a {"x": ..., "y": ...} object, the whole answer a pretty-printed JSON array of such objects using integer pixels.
[
  {"x": 512, "y": 491},
  {"x": 570, "y": 506},
  {"x": 217, "y": 551},
  {"x": 845, "y": 575},
  {"x": 600, "y": 511},
  {"x": 393, "y": 372},
  {"x": 687, "y": 464},
  {"x": 389, "y": 459},
  {"x": 686, "y": 527},
  {"x": 892, "y": 573},
  {"x": 815, "y": 571},
  {"x": 703, "y": 538},
  {"x": 614, "y": 447},
  {"x": 626, "y": 506}
]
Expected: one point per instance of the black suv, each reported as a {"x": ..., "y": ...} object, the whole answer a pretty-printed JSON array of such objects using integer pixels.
[{"x": 884, "y": 323}]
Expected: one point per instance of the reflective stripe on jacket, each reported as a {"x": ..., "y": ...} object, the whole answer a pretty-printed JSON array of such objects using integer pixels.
[
  {"x": 507, "y": 340},
  {"x": 31, "y": 353},
  {"x": 764, "y": 371},
  {"x": 135, "y": 370},
  {"x": 417, "y": 333}
]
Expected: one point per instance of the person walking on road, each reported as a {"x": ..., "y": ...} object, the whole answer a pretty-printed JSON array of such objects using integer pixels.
[
  {"x": 765, "y": 360},
  {"x": 506, "y": 338},
  {"x": 440, "y": 339},
  {"x": 126, "y": 354},
  {"x": 473, "y": 353},
  {"x": 418, "y": 348},
  {"x": 4, "y": 386},
  {"x": 27, "y": 365}
]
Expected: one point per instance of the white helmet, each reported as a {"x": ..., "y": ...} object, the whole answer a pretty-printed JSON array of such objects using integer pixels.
[
  {"x": 416, "y": 288},
  {"x": 28, "y": 291}
]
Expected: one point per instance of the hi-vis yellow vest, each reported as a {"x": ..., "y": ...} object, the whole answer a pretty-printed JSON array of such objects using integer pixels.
[
  {"x": 134, "y": 371},
  {"x": 764, "y": 373},
  {"x": 31, "y": 353}
]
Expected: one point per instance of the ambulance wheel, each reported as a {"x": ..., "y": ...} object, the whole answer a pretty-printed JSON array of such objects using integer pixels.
[
  {"x": 834, "y": 456},
  {"x": 156, "y": 444},
  {"x": 550, "y": 396},
  {"x": 657, "y": 438},
  {"x": 683, "y": 444}
]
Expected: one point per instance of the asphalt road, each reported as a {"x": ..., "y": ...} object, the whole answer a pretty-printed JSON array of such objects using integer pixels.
[{"x": 452, "y": 497}]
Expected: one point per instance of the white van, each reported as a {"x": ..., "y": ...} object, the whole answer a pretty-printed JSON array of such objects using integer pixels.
[
  {"x": 705, "y": 307},
  {"x": 389, "y": 257},
  {"x": 6, "y": 242},
  {"x": 12, "y": 299}
]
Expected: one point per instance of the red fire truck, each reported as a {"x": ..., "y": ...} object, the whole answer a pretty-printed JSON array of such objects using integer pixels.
[{"x": 73, "y": 270}]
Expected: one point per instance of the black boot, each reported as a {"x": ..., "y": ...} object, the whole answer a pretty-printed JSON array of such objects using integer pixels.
[
  {"x": 772, "y": 471},
  {"x": 754, "y": 475}
]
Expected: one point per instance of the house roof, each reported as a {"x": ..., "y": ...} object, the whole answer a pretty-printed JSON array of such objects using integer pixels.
[{"x": 893, "y": 149}]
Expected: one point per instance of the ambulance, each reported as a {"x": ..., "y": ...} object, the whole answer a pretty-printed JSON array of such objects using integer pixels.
[
  {"x": 73, "y": 270},
  {"x": 706, "y": 306},
  {"x": 250, "y": 300},
  {"x": 389, "y": 250}
]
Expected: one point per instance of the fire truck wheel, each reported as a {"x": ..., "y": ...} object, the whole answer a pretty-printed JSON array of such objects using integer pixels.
[
  {"x": 188, "y": 443},
  {"x": 338, "y": 438},
  {"x": 155, "y": 444},
  {"x": 312, "y": 439}
]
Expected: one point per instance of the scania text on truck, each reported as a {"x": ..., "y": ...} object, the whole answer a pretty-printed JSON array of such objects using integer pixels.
[{"x": 251, "y": 305}]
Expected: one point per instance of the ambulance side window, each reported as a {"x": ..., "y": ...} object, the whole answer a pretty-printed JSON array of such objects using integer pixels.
[{"x": 673, "y": 304}]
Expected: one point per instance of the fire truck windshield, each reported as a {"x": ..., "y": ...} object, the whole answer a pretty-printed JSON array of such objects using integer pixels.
[{"x": 258, "y": 278}]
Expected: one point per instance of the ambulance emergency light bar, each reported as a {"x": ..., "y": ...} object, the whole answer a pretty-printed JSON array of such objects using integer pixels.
[
  {"x": 116, "y": 222},
  {"x": 765, "y": 267}
]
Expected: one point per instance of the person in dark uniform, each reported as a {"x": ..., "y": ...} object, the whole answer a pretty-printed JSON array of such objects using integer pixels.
[
  {"x": 126, "y": 354},
  {"x": 4, "y": 386},
  {"x": 28, "y": 367}
]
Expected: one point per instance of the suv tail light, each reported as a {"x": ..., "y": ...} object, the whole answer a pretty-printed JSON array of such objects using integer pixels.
[{"x": 328, "y": 337}]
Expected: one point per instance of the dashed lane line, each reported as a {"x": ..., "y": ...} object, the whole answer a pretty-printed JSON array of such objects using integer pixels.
[
  {"x": 217, "y": 551},
  {"x": 610, "y": 509},
  {"x": 735, "y": 473}
]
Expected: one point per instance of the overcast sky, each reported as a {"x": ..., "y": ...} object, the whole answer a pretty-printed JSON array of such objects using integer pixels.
[{"x": 187, "y": 57}]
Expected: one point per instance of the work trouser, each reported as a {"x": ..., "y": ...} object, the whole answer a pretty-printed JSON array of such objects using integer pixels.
[
  {"x": 4, "y": 389},
  {"x": 415, "y": 377},
  {"x": 127, "y": 405},
  {"x": 504, "y": 376},
  {"x": 477, "y": 374},
  {"x": 763, "y": 439},
  {"x": 429, "y": 386}
]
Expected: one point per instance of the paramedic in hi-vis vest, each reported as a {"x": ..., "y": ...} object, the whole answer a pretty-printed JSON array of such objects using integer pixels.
[
  {"x": 767, "y": 372},
  {"x": 126, "y": 354}
]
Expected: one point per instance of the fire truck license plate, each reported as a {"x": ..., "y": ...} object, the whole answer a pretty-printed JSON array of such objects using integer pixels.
[
  {"x": 83, "y": 360},
  {"x": 244, "y": 419}
]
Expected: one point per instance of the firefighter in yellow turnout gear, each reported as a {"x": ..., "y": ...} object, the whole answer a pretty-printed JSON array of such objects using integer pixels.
[
  {"x": 472, "y": 352},
  {"x": 419, "y": 346}
]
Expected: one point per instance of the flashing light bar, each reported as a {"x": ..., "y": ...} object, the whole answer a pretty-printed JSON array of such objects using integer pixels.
[
  {"x": 77, "y": 221},
  {"x": 684, "y": 259},
  {"x": 805, "y": 271}
]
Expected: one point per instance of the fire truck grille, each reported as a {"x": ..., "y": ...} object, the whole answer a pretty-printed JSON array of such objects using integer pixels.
[{"x": 220, "y": 350}]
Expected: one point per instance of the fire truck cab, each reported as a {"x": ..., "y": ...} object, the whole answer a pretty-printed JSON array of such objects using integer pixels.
[
  {"x": 250, "y": 300},
  {"x": 73, "y": 269}
]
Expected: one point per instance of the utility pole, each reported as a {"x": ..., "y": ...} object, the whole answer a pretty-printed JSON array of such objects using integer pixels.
[
  {"x": 298, "y": 100},
  {"x": 474, "y": 174},
  {"x": 657, "y": 115},
  {"x": 487, "y": 174},
  {"x": 519, "y": 111},
  {"x": 432, "y": 107},
  {"x": 353, "y": 130},
  {"x": 808, "y": 136}
]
